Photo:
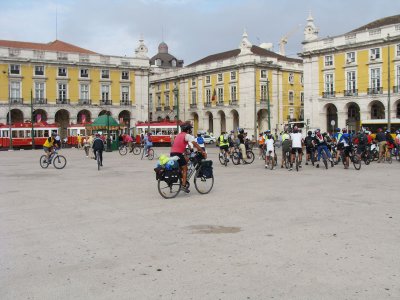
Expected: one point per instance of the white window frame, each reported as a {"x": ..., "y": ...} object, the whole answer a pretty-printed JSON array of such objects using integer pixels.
[
  {"x": 127, "y": 99},
  {"x": 109, "y": 92},
  {"x": 193, "y": 80},
  {"x": 291, "y": 78},
  {"x": 14, "y": 68},
  {"x": 83, "y": 69},
  {"x": 35, "y": 69},
  {"x": 126, "y": 73},
  {"x": 375, "y": 53},
  {"x": 15, "y": 91},
  {"x": 351, "y": 83},
  {"x": 291, "y": 112},
  {"x": 291, "y": 97},
  {"x": 263, "y": 92},
  {"x": 220, "y": 95},
  {"x": 167, "y": 99},
  {"x": 60, "y": 69},
  {"x": 220, "y": 77},
  {"x": 233, "y": 91},
  {"x": 351, "y": 57},
  {"x": 263, "y": 74},
  {"x": 81, "y": 92},
  {"x": 398, "y": 50},
  {"x": 208, "y": 79},
  {"x": 193, "y": 96},
  {"x": 233, "y": 75},
  {"x": 328, "y": 60},
  {"x": 374, "y": 80},
  {"x": 329, "y": 85},
  {"x": 65, "y": 95},
  {"x": 103, "y": 72},
  {"x": 397, "y": 78},
  {"x": 208, "y": 95},
  {"x": 35, "y": 90}
]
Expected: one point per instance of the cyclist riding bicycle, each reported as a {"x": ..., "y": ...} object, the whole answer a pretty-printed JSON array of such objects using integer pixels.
[
  {"x": 178, "y": 149},
  {"x": 339, "y": 146},
  {"x": 269, "y": 148},
  {"x": 98, "y": 147},
  {"x": 48, "y": 145},
  {"x": 297, "y": 146},
  {"x": 346, "y": 140},
  {"x": 148, "y": 143},
  {"x": 286, "y": 144},
  {"x": 309, "y": 142},
  {"x": 242, "y": 146},
  {"x": 322, "y": 146}
]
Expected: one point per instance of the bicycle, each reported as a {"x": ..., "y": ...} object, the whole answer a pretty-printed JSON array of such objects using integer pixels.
[
  {"x": 136, "y": 149},
  {"x": 297, "y": 161},
  {"x": 223, "y": 157},
  {"x": 150, "y": 153},
  {"x": 58, "y": 161},
  {"x": 355, "y": 159},
  {"x": 237, "y": 156},
  {"x": 275, "y": 156},
  {"x": 270, "y": 164},
  {"x": 98, "y": 160},
  {"x": 169, "y": 182}
]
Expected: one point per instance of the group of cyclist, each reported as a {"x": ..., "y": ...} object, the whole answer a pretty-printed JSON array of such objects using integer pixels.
[{"x": 318, "y": 144}]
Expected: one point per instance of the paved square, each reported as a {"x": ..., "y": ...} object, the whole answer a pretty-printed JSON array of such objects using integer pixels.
[{"x": 82, "y": 234}]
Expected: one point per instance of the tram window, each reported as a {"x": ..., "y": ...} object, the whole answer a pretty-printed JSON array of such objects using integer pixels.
[
  {"x": 21, "y": 133},
  {"x": 40, "y": 133},
  {"x": 14, "y": 133},
  {"x": 28, "y": 133},
  {"x": 74, "y": 132},
  {"x": 46, "y": 133},
  {"x": 5, "y": 133}
]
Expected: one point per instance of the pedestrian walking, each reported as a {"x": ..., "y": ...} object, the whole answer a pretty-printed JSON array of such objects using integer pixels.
[{"x": 86, "y": 145}]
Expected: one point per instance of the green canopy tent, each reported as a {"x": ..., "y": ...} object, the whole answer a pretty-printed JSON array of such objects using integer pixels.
[{"x": 106, "y": 122}]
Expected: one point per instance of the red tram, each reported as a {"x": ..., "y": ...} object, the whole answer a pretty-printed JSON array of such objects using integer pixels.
[
  {"x": 21, "y": 134},
  {"x": 161, "y": 131}
]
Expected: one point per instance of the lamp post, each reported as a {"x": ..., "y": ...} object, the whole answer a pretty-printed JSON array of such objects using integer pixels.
[
  {"x": 388, "y": 100},
  {"x": 9, "y": 109},
  {"x": 176, "y": 92},
  {"x": 108, "y": 149},
  {"x": 268, "y": 106},
  {"x": 32, "y": 120},
  {"x": 148, "y": 101}
]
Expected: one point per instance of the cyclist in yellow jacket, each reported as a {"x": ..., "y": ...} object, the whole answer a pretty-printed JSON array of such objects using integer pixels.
[{"x": 49, "y": 144}]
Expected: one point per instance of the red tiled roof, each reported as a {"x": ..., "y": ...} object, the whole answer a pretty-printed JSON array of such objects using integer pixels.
[
  {"x": 232, "y": 53},
  {"x": 379, "y": 23},
  {"x": 56, "y": 45}
]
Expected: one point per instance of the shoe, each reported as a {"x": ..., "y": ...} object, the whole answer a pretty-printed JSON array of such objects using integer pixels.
[
  {"x": 317, "y": 166},
  {"x": 101, "y": 165},
  {"x": 306, "y": 163},
  {"x": 281, "y": 167},
  {"x": 290, "y": 169},
  {"x": 146, "y": 155},
  {"x": 332, "y": 164},
  {"x": 185, "y": 189},
  {"x": 300, "y": 166}
]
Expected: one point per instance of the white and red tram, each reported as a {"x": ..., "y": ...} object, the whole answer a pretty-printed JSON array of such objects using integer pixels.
[
  {"x": 21, "y": 134},
  {"x": 161, "y": 131}
]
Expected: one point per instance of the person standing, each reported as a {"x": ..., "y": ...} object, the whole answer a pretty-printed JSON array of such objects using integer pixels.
[
  {"x": 381, "y": 139},
  {"x": 79, "y": 139},
  {"x": 297, "y": 146},
  {"x": 90, "y": 142},
  {"x": 98, "y": 148},
  {"x": 86, "y": 145}
]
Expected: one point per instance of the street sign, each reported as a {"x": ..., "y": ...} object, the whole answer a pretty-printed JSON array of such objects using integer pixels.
[{"x": 333, "y": 122}]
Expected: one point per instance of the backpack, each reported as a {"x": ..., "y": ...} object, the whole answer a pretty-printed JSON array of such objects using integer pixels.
[
  {"x": 362, "y": 139},
  {"x": 309, "y": 142},
  {"x": 200, "y": 140}
]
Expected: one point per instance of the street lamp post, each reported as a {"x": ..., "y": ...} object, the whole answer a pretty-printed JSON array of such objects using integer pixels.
[
  {"x": 108, "y": 133},
  {"x": 148, "y": 101},
  {"x": 388, "y": 101},
  {"x": 9, "y": 109},
  {"x": 176, "y": 92},
  {"x": 268, "y": 107},
  {"x": 32, "y": 120}
]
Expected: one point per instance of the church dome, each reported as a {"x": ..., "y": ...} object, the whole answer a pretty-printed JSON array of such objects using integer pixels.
[{"x": 163, "y": 48}]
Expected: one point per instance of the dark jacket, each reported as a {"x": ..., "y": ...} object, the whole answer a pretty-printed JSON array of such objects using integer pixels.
[{"x": 98, "y": 144}]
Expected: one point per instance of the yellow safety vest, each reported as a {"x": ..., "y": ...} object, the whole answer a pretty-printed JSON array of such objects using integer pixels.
[
  {"x": 222, "y": 141},
  {"x": 49, "y": 144}
]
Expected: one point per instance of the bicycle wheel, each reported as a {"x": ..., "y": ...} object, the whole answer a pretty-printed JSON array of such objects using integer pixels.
[
  {"x": 375, "y": 156},
  {"x": 169, "y": 190},
  {"x": 226, "y": 160},
  {"x": 123, "y": 150},
  {"x": 235, "y": 158},
  {"x": 150, "y": 155},
  {"x": 270, "y": 163},
  {"x": 59, "y": 162},
  {"x": 325, "y": 162},
  {"x": 249, "y": 156},
  {"x": 137, "y": 150},
  {"x": 356, "y": 162},
  {"x": 43, "y": 162},
  {"x": 297, "y": 162},
  {"x": 275, "y": 159},
  {"x": 389, "y": 158},
  {"x": 263, "y": 154},
  {"x": 202, "y": 184},
  {"x": 221, "y": 158},
  {"x": 287, "y": 162}
]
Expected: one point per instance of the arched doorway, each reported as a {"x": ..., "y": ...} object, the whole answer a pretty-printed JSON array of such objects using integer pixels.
[
  {"x": 159, "y": 119},
  {"x": 377, "y": 110},
  {"x": 104, "y": 112},
  {"x": 353, "y": 116},
  {"x": 397, "y": 108},
  {"x": 17, "y": 116},
  {"x": 262, "y": 120},
  {"x": 62, "y": 118},
  {"x": 331, "y": 115},
  {"x": 221, "y": 114},
  {"x": 167, "y": 118},
  {"x": 39, "y": 115},
  {"x": 195, "y": 119},
  {"x": 84, "y": 116},
  {"x": 210, "y": 122},
  {"x": 235, "y": 119},
  {"x": 124, "y": 117}
]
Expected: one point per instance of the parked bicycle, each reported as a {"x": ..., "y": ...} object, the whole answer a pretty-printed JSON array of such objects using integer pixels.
[
  {"x": 136, "y": 149},
  {"x": 58, "y": 161}
]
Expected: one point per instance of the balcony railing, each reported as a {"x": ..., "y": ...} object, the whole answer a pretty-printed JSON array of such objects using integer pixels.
[
  {"x": 158, "y": 108},
  {"x": 16, "y": 100},
  {"x": 220, "y": 103},
  {"x": 105, "y": 102},
  {"x": 329, "y": 94},
  {"x": 193, "y": 105},
  {"x": 233, "y": 102},
  {"x": 264, "y": 101},
  {"x": 62, "y": 101},
  {"x": 396, "y": 89},
  {"x": 350, "y": 93},
  {"x": 375, "y": 90},
  {"x": 85, "y": 101},
  {"x": 125, "y": 103},
  {"x": 207, "y": 104},
  {"x": 39, "y": 100}
]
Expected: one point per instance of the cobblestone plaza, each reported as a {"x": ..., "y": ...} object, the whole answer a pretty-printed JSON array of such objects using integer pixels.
[{"x": 78, "y": 233}]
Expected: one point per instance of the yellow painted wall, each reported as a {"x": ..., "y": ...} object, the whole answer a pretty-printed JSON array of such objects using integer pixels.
[
  {"x": 3, "y": 83},
  {"x": 73, "y": 85},
  {"x": 321, "y": 76},
  {"x": 115, "y": 76},
  {"x": 339, "y": 75},
  {"x": 95, "y": 94},
  {"x": 26, "y": 85},
  {"x": 362, "y": 70}
]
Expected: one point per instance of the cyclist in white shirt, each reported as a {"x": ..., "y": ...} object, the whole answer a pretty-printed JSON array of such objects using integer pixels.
[
  {"x": 269, "y": 147},
  {"x": 297, "y": 145}
]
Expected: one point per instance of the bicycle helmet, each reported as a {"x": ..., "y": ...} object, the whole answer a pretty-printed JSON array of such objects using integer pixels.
[
  {"x": 337, "y": 129},
  {"x": 387, "y": 131},
  {"x": 241, "y": 130},
  {"x": 54, "y": 133},
  {"x": 309, "y": 133},
  {"x": 397, "y": 132},
  {"x": 344, "y": 130},
  {"x": 57, "y": 138},
  {"x": 186, "y": 127}
]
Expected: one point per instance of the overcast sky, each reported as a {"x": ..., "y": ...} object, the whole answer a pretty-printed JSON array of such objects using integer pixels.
[{"x": 192, "y": 29}]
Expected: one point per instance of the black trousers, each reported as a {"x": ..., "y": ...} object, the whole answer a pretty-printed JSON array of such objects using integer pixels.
[{"x": 100, "y": 155}]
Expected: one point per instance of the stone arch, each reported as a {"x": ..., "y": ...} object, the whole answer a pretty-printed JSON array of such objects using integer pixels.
[
  {"x": 377, "y": 110},
  {"x": 83, "y": 116},
  {"x": 62, "y": 118},
  {"x": 124, "y": 117},
  {"x": 331, "y": 114},
  {"x": 222, "y": 117},
  {"x": 353, "y": 116},
  {"x": 167, "y": 118},
  {"x": 159, "y": 119},
  {"x": 194, "y": 117},
  {"x": 235, "y": 119},
  {"x": 17, "y": 116},
  {"x": 104, "y": 112},
  {"x": 39, "y": 115},
  {"x": 262, "y": 120},
  {"x": 210, "y": 122},
  {"x": 396, "y": 107}
]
